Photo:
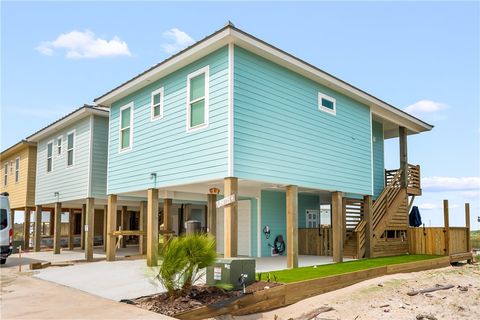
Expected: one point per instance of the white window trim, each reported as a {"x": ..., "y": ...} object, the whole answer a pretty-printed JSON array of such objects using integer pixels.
[
  {"x": 17, "y": 169},
  {"x": 206, "y": 71},
  {"x": 327, "y": 97},
  {"x": 11, "y": 166},
  {"x": 51, "y": 157},
  {"x": 128, "y": 105},
  {"x": 73, "y": 149},
  {"x": 5, "y": 174},
  {"x": 61, "y": 146},
  {"x": 152, "y": 116}
]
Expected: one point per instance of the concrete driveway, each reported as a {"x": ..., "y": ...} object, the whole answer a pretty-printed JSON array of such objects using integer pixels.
[{"x": 27, "y": 297}]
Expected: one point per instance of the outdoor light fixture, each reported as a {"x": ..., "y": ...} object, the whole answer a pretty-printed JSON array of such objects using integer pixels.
[
  {"x": 153, "y": 175},
  {"x": 57, "y": 195},
  {"x": 214, "y": 190}
]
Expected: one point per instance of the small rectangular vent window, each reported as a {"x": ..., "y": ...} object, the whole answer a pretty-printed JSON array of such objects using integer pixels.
[{"x": 327, "y": 103}]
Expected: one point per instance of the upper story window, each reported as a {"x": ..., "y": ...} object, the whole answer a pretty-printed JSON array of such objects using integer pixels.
[
  {"x": 17, "y": 169},
  {"x": 197, "y": 99},
  {"x": 327, "y": 103},
  {"x": 59, "y": 146},
  {"x": 49, "y": 156},
  {"x": 70, "y": 148},
  {"x": 11, "y": 166},
  {"x": 157, "y": 104},
  {"x": 5, "y": 174},
  {"x": 126, "y": 126}
]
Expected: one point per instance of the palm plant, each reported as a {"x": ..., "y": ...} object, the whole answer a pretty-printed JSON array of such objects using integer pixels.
[{"x": 183, "y": 262}]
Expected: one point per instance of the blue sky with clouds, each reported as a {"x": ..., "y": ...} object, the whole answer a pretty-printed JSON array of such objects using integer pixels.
[{"x": 422, "y": 57}]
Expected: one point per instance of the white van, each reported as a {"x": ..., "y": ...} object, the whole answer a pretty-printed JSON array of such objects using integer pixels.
[{"x": 6, "y": 230}]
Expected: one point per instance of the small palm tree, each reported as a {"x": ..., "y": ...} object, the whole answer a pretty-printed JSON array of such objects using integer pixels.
[{"x": 183, "y": 261}]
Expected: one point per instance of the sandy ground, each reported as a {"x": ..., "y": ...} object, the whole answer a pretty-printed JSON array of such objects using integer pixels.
[
  {"x": 386, "y": 298},
  {"x": 23, "y": 296}
]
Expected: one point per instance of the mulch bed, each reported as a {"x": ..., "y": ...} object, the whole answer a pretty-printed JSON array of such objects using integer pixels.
[{"x": 199, "y": 296}]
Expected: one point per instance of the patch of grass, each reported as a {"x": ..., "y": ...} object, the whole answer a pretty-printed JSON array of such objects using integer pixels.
[
  {"x": 475, "y": 238},
  {"x": 306, "y": 273}
]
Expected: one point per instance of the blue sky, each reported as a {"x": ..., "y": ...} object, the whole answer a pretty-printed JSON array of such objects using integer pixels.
[{"x": 421, "y": 56}]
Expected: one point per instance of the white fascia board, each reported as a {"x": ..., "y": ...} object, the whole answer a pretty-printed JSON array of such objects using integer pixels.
[
  {"x": 201, "y": 49},
  {"x": 67, "y": 121}
]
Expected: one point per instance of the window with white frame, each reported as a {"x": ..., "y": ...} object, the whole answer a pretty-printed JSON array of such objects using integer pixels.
[
  {"x": 311, "y": 218},
  {"x": 70, "y": 148},
  {"x": 59, "y": 146},
  {"x": 17, "y": 169},
  {"x": 5, "y": 174},
  {"x": 126, "y": 126},
  {"x": 11, "y": 166},
  {"x": 197, "y": 99},
  {"x": 327, "y": 103},
  {"x": 49, "y": 156},
  {"x": 157, "y": 104}
]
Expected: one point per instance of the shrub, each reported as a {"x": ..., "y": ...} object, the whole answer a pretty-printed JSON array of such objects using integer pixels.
[{"x": 183, "y": 261}]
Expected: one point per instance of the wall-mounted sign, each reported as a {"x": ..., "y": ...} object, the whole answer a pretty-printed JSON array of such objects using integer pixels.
[{"x": 227, "y": 200}]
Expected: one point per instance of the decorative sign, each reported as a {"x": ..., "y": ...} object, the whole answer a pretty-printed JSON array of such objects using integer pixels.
[
  {"x": 227, "y": 200},
  {"x": 85, "y": 228},
  {"x": 217, "y": 273}
]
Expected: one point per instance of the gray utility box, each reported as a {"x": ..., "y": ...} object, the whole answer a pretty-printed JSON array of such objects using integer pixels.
[{"x": 229, "y": 271}]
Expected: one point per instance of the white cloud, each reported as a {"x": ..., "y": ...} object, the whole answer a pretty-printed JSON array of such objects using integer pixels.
[
  {"x": 180, "y": 40},
  {"x": 451, "y": 183},
  {"x": 428, "y": 206},
  {"x": 435, "y": 206},
  {"x": 84, "y": 45},
  {"x": 425, "y": 106}
]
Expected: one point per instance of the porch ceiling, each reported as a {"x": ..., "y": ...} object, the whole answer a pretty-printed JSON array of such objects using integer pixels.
[{"x": 199, "y": 191}]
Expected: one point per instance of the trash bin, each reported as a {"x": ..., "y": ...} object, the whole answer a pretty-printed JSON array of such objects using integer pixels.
[
  {"x": 193, "y": 227},
  {"x": 230, "y": 271}
]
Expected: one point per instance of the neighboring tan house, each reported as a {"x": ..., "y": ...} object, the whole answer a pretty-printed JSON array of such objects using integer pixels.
[
  {"x": 280, "y": 139},
  {"x": 72, "y": 174},
  {"x": 18, "y": 179}
]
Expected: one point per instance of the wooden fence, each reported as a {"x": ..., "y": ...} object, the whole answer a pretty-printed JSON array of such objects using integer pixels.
[
  {"x": 315, "y": 241},
  {"x": 441, "y": 240}
]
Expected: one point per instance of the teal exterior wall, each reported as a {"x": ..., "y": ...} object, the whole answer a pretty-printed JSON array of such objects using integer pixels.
[
  {"x": 99, "y": 157},
  {"x": 163, "y": 146},
  {"x": 71, "y": 183},
  {"x": 378, "y": 158},
  {"x": 273, "y": 214},
  {"x": 280, "y": 135}
]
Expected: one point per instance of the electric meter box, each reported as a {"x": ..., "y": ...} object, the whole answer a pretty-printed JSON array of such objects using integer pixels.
[{"x": 229, "y": 271}]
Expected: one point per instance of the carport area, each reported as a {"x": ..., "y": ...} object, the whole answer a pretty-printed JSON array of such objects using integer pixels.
[{"x": 125, "y": 278}]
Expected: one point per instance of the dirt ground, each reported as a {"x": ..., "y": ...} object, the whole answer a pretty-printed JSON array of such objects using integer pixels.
[{"x": 386, "y": 298}]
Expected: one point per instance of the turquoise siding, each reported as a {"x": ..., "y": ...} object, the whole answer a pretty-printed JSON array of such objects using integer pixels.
[
  {"x": 99, "y": 157},
  {"x": 273, "y": 214},
  {"x": 163, "y": 146},
  {"x": 280, "y": 136},
  {"x": 70, "y": 182},
  {"x": 378, "y": 159}
]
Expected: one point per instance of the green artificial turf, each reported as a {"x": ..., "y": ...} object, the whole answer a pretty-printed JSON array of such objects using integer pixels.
[{"x": 306, "y": 273}]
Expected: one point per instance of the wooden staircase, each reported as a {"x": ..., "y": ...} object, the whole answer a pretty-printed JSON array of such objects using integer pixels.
[{"x": 389, "y": 217}]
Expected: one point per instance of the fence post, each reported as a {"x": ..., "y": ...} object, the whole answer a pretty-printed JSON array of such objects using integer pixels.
[
  {"x": 467, "y": 225},
  {"x": 447, "y": 227}
]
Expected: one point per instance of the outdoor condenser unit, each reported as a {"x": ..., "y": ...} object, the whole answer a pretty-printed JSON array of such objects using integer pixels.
[{"x": 230, "y": 271}]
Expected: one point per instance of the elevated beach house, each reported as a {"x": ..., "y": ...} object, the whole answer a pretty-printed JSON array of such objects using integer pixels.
[
  {"x": 288, "y": 147},
  {"x": 71, "y": 176},
  {"x": 18, "y": 173}
]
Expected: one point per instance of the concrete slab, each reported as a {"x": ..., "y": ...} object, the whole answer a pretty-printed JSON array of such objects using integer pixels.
[
  {"x": 267, "y": 264},
  {"x": 112, "y": 280},
  {"x": 27, "y": 297}
]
